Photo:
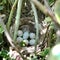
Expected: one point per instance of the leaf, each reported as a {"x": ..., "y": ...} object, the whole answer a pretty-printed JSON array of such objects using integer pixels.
[
  {"x": 52, "y": 26},
  {"x": 12, "y": 1},
  {"x": 45, "y": 52},
  {"x": 4, "y": 53},
  {"x": 51, "y": 2},
  {"x": 1, "y": 7},
  {"x": 4, "y": 1},
  {"x": 1, "y": 29},
  {"x": 47, "y": 19}
]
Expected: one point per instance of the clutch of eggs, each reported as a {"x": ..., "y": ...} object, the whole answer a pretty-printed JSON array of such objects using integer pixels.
[{"x": 24, "y": 37}]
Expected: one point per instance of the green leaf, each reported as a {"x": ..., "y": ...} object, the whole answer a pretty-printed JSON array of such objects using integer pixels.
[
  {"x": 4, "y": 53},
  {"x": 22, "y": 44},
  {"x": 1, "y": 7},
  {"x": 51, "y": 2},
  {"x": 47, "y": 19},
  {"x": 45, "y": 52},
  {"x": 12, "y": 1},
  {"x": 4, "y": 1},
  {"x": 52, "y": 26},
  {"x": 1, "y": 32},
  {"x": 1, "y": 29}
]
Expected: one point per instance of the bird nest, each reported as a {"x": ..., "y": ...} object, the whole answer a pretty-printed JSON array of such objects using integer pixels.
[{"x": 26, "y": 34}]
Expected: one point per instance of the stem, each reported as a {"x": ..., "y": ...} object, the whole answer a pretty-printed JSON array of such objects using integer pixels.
[
  {"x": 10, "y": 40},
  {"x": 36, "y": 22},
  {"x": 17, "y": 22},
  {"x": 40, "y": 6},
  {"x": 46, "y": 4},
  {"x": 46, "y": 11},
  {"x": 11, "y": 14}
]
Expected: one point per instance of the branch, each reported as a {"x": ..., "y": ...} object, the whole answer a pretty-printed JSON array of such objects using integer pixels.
[
  {"x": 10, "y": 40},
  {"x": 17, "y": 22},
  {"x": 46, "y": 4},
  {"x": 46, "y": 11},
  {"x": 36, "y": 23},
  {"x": 11, "y": 14}
]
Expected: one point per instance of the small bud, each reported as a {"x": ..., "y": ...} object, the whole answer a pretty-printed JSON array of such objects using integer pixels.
[{"x": 26, "y": 41}]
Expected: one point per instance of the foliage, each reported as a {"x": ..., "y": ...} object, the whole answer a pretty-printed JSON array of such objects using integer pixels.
[
  {"x": 5, "y": 7},
  {"x": 48, "y": 20},
  {"x": 2, "y": 3},
  {"x": 45, "y": 52},
  {"x": 51, "y": 2},
  {"x": 1, "y": 29},
  {"x": 1, "y": 34},
  {"x": 4, "y": 54}
]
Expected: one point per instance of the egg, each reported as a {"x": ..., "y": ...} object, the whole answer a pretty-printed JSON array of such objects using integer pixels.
[
  {"x": 32, "y": 35},
  {"x": 26, "y": 35},
  {"x": 19, "y": 39},
  {"x": 32, "y": 42},
  {"x": 20, "y": 33}
]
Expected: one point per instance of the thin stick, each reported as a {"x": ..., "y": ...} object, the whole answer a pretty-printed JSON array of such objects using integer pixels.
[
  {"x": 11, "y": 14},
  {"x": 10, "y": 40},
  {"x": 36, "y": 23},
  {"x": 17, "y": 22},
  {"x": 46, "y": 4},
  {"x": 47, "y": 12}
]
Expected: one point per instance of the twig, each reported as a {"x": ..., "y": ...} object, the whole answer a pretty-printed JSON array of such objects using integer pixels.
[
  {"x": 6, "y": 32},
  {"x": 36, "y": 22},
  {"x": 10, "y": 40},
  {"x": 11, "y": 14},
  {"x": 47, "y": 12},
  {"x": 40, "y": 6},
  {"x": 17, "y": 22},
  {"x": 44, "y": 39},
  {"x": 46, "y": 4}
]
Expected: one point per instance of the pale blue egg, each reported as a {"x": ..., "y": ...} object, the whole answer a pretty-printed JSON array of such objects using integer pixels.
[
  {"x": 19, "y": 39},
  {"x": 20, "y": 33},
  {"x": 26, "y": 35},
  {"x": 32, "y": 35},
  {"x": 32, "y": 42}
]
